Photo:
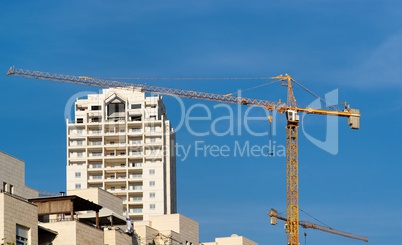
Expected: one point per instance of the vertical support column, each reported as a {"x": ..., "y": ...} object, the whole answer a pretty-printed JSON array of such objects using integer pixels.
[
  {"x": 72, "y": 210},
  {"x": 292, "y": 183},
  {"x": 97, "y": 219}
]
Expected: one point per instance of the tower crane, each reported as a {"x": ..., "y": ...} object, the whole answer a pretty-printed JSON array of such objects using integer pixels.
[
  {"x": 290, "y": 109},
  {"x": 306, "y": 224}
]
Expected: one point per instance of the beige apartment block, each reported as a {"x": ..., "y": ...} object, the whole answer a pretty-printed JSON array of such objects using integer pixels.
[
  {"x": 174, "y": 229},
  {"x": 232, "y": 240},
  {"x": 12, "y": 177},
  {"x": 115, "y": 236},
  {"x": 121, "y": 141},
  {"x": 74, "y": 233},
  {"x": 18, "y": 220}
]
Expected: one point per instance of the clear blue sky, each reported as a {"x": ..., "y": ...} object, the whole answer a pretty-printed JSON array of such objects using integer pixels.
[{"x": 353, "y": 46}]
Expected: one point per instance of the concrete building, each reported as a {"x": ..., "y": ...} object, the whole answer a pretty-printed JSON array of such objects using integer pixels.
[
  {"x": 61, "y": 215},
  {"x": 18, "y": 217},
  {"x": 18, "y": 220},
  {"x": 121, "y": 141},
  {"x": 173, "y": 229},
  {"x": 232, "y": 240},
  {"x": 12, "y": 177}
]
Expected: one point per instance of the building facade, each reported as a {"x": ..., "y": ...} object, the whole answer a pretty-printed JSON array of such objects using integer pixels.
[
  {"x": 234, "y": 239},
  {"x": 12, "y": 177},
  {"x": 173, "y": 229},
  {"x": 121, "y": 141},
  {"x": 18, "y": 217}
]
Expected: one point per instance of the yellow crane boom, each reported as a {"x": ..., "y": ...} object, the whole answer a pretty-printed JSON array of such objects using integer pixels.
[
  {"x": 306, "y": 224},
  {"x": 290, "y": 108}
]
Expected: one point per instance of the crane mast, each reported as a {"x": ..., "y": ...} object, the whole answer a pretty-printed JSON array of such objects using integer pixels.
[{"x": 290, "y": 109}]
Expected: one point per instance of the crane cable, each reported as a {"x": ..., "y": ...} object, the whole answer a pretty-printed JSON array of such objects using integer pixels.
[
  {"x": 223, "y": 78},
  {"x": 314, "y": 94},
  {"x": 189, "y": 78},
  {"x": 315, "y": 218},
  {"x": 248, "y": 89}
]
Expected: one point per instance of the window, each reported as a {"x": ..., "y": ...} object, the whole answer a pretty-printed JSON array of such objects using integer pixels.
[
  {"x": 11, "y": 189},
  {"x": 77, "y": 186},
  {"x": 135, "y": 142},
  {"x": 96, "y": 154},
  {"x": 96, "y": 108},
  {"x": 151, "y": 183},
  {"x": 153, "y": 106},
  {"x": 79, "y": 142},
  {"x": 123, "y": 188},
  {"x": 152, "y": 206},
  {"x": 98, "y": 142},
  {"x": 153, "y": 117},
  {"x": 112, "y": 188},
  {"x": 79, "y": 154},
  {"x": 136, "y": 130},
  {"x": 152, "y": 195},
  {"x": 135, "y": 106},
  {"x": 152, "y": 140},
  {"x": 97, "y": 177},
  {"x": 152, "y": 128},
  {"x": 79, "y": 131},
  {"x": 80, "y": 120},
  {"x": 78, "y": 174},
  {"x": 97, "y": 165},
  {"x": 135, "y": 153},
  {"x": 151, "y": 171},
  {"x": 21, "y": 235},
  {"x": 136, "y": 199},
  {"x": 136, "y": 118},
  {"x": 96, "y": 131},
  {"x": 124, "y": 199},
  {"x": 114, "y": 109},
  {"x": 5, "y": 186},
  {"x": 122, "y": 165},
  {"x": 135, "y": 210}
]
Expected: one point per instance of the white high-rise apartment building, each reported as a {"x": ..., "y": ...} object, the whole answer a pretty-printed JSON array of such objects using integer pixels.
[{"x": 122, "y": 142}]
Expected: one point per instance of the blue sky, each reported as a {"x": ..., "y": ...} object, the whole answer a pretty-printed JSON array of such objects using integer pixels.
[{"x": 353, "y": 46}]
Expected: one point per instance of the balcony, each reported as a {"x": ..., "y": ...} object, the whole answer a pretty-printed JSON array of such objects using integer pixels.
[
  {"x": 135, "y": 200},
  {"x": 95, "y": 114},
  {"x": 135, "y": 131},
  {"x": 134, "y": 112},
  {"x": 135, "y": 188},
  {"x": 135, "y": 210},
  {"x": 135, "y": 176}
]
